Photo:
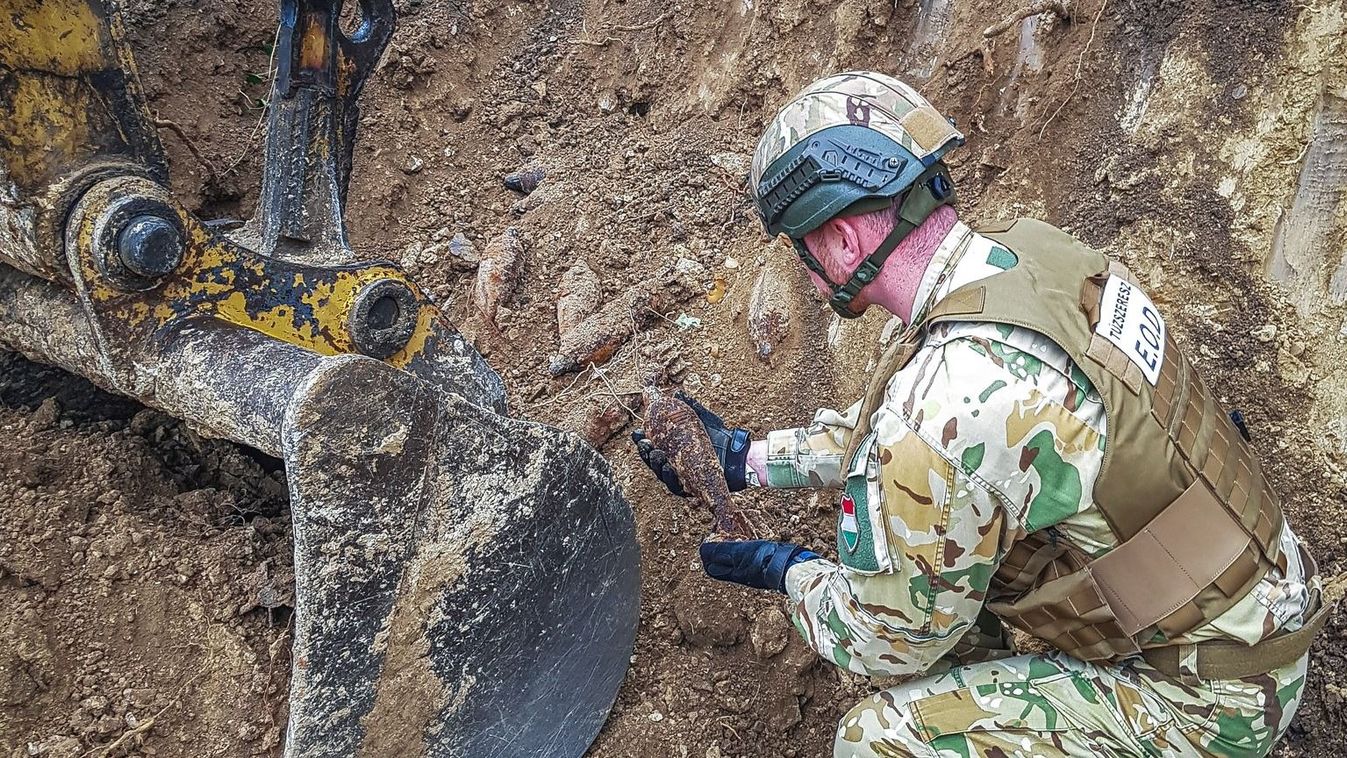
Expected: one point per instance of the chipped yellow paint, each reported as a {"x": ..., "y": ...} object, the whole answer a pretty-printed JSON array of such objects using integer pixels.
[
  {"x": 212, "y": 276},
  {"x": 313, "y": 45},
  {"x": 63, "y": 37},
  {"x": 55, "y": 122},
  {"x": 43, "y": 127}
]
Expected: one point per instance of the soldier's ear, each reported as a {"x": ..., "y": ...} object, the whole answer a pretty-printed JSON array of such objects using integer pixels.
[{"x": 851, "y": 240}]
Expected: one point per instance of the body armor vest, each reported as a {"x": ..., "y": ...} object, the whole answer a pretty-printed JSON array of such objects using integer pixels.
[{"x": 1196, "y": 522}]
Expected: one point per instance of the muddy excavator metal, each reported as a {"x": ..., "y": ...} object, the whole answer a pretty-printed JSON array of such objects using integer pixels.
[{"x": 466, "y": 583}]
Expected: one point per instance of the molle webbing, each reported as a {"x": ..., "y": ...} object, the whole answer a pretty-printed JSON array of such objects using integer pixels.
[{"x": 1196, "y": 522}]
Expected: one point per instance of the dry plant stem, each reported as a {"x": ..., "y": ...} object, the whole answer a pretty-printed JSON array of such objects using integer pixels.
[
  {"x": 177, "y": 129},
  {"x": 1060, "y": 7},
  {"x": 620, "y": 28},
  {"x": 148, "y": 723},
  {"x": 257, "y": 127},
  {"x": 612, "y": 390},
  {"x": 1080, "y": 63},
  {"x": 140, "y": 728}
]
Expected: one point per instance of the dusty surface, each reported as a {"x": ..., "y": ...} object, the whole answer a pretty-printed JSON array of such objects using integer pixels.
[{"x": 143, "y": 571}]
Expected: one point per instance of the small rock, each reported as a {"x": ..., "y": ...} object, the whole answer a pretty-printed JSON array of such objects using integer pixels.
[
  {"x": 60, "y": 746},
  {"x": 46, "y": 415},
  {"x": 1265, "y": 333},
  {"x": 462, "y": 109},
  {"x": 770, "y": 633},
  {"x": 413, "y": 165},
  {"x": 689, "y": 268},
  {"x": 95, "y": 704},
  {"x": 731, "y": 264},
  {"x": 656, "y": 716},
  {"x": 735, "y": 163},
  {"x": 462, "y": 254},
  {"x": 1335, "y": 695}
]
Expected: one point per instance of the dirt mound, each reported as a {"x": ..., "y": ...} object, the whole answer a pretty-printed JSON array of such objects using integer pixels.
[
  {"x": 144, "y": 569},
  {"x": 146, "y": 577}
]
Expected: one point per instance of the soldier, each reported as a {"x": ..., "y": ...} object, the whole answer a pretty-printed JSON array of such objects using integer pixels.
[{"x": 1033, "y": 449}]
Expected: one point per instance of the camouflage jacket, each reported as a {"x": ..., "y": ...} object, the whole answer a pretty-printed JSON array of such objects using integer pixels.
[{"x": 989, "y": 433}]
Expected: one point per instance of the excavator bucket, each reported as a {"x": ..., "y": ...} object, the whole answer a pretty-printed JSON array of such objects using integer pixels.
[{"x": 466, "y": 583}]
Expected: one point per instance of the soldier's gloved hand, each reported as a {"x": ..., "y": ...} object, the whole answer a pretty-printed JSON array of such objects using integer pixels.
[
  {"x": 753, "y": 563},
  {"x": 731, "y": 446},
  {"x": 658, "y": 462}
]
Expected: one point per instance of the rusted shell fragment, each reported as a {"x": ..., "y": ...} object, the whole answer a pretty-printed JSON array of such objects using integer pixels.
[
  {"x": 597, "y": 338},
  {"x": 577, "y": 297},
  {"x": 526, "y": 179},
  {"x": 672, "y": 425},
  {"x": 769, "y": 314},
  {"x": 497, "y": 274}
]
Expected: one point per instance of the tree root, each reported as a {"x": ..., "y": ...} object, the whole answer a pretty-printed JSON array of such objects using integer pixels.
[{"x": 1060, "y": 7}]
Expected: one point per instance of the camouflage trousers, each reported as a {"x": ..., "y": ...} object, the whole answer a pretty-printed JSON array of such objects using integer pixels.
[{"x": 1054, "y": 705}]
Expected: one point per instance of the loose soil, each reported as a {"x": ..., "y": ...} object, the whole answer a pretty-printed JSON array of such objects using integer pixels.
[{"x": 145, "y": 574}]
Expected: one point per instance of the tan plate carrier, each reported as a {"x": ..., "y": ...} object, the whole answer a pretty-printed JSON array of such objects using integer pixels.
[{"x": 1196, "y": 521}]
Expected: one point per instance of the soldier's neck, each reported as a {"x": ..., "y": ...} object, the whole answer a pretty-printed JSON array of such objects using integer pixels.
[{"x": 898, "y": 285}]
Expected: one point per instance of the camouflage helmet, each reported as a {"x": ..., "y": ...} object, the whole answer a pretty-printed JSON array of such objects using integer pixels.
[{"x": 846, "y": 139}]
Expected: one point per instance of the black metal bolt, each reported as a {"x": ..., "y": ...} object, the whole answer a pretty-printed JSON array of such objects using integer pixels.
[
  {"x": 150, "y": 246},
  {"x": 383, "y": 318}
]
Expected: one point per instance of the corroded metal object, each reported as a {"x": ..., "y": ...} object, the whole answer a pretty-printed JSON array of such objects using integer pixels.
[
  {"x": 526, "y": 179},
  {"x": 672, "y": 425},
  {"x": 457, "y": 572},
  {"x": 597, "y": 336}
]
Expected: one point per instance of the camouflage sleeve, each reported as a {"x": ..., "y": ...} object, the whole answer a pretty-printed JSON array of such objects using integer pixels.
[
  {"x": 811, "y": 456},
  {"x": 917, "y": 550}
]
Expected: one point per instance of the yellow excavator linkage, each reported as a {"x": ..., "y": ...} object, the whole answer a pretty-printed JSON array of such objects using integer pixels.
[{"x": 466, "y": 582}]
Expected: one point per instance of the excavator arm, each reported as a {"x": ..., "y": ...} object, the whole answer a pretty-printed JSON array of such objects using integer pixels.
[{"x": 466, "y": 582}]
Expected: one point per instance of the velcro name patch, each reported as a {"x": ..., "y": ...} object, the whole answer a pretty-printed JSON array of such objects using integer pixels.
[{"x": 1129, "y": 320}]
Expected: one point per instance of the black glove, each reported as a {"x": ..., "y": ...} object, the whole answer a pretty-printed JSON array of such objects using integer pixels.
[
  {"x": 658, "y": 461},
  {"x": 731, "y": 446},
  {"x": 753, "y": 563}
]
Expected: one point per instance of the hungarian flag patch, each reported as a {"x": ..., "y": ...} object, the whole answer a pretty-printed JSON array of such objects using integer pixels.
[
  {"x": 851, "y": 532},
  {"x": 858, "y": 547}
]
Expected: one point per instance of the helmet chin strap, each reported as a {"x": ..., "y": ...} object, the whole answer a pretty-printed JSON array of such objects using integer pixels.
[{"x": 931, "y": 190}]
